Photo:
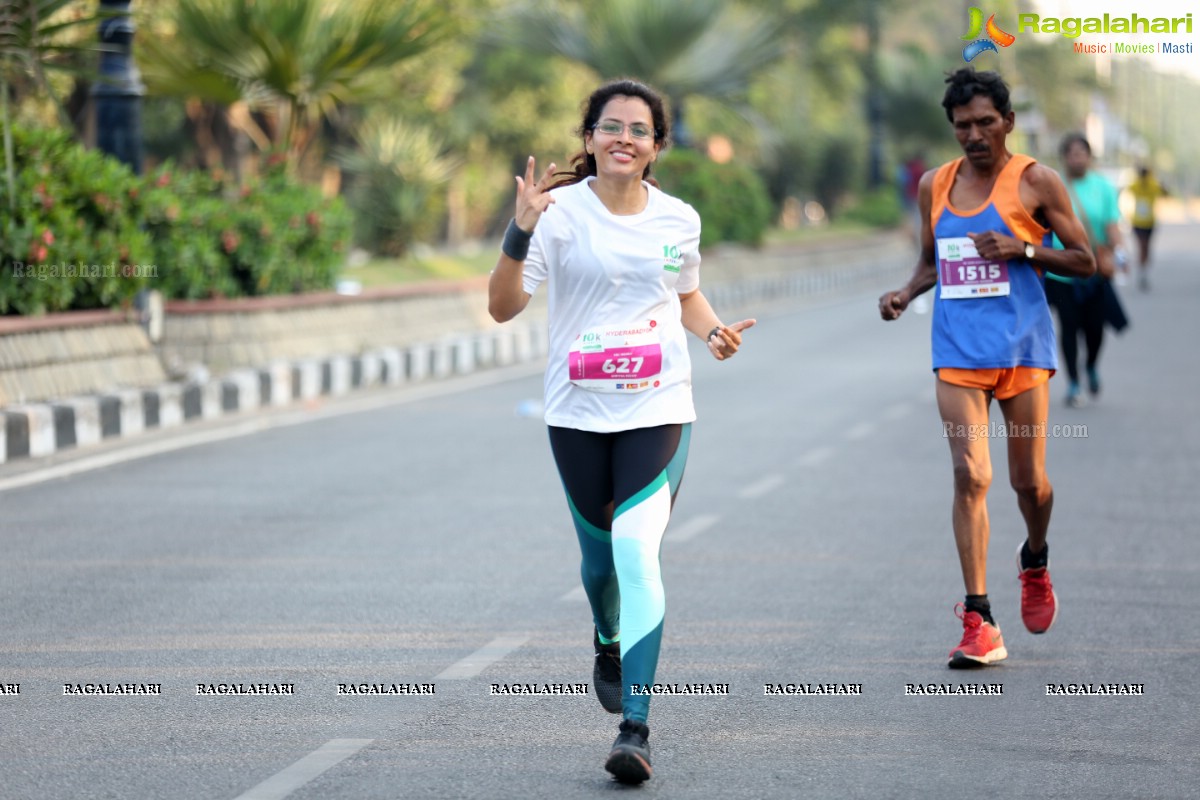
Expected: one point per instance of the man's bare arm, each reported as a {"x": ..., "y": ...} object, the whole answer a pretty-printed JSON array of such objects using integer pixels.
[
  {"x": 1075, "y": 259},
  {"x": 924, "y": 276}
]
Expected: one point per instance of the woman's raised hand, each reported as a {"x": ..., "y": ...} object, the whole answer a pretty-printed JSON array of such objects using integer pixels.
[{"x": 533, "y": 198}]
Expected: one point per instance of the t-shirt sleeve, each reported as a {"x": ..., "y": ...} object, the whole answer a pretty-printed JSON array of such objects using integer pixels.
[
  {"x": 535, "y": 269},
  {"x": 689, "y": 272}
]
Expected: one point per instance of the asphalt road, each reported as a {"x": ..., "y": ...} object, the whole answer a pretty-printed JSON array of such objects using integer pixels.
[{"x": 421, "y": 537}]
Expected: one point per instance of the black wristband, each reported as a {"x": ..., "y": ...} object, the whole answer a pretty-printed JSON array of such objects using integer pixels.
[
  {"x": 516, "y": 242},
  {"x": 713, "y": 332}
]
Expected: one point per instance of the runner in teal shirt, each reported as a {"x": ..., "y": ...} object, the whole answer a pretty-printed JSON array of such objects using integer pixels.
[{"x": 1081, "y": 302}]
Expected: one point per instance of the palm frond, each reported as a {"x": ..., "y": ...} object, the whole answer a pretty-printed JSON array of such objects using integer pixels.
[
  {"x": 724, "y": 58},
  {"x": 683, "y": 47},
  {"x": 301, "y": 58}
]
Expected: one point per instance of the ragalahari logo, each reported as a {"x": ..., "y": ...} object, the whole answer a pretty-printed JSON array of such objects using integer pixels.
[{"x": 995, "y": 35}]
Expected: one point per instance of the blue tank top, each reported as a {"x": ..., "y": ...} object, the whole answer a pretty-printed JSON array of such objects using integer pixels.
[{"x": 984, "y": 328}]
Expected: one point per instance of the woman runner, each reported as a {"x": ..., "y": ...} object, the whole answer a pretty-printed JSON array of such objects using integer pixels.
[{"x": 621, "y": 262}]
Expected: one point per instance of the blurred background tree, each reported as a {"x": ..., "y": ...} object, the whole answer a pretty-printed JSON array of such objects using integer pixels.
[
  {"x": 44, "y": 46},
  {"x": 684, "y": 48},
  {"x": 419, "y": 112},
  {"x": 277, "y": 71}
]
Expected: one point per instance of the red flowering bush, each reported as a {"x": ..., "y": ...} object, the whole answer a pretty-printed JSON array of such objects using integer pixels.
[
  {"x": 272, "y": 236},
  {"x": 87, "y": 233},
  {"x": 73, "y": 239}
]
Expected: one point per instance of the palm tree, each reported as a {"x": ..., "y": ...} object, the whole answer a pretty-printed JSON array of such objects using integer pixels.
[
  {"x": 31, "y": 43},
  {"x": 707, "y": 48},
  {"x": 398, "y": 168},
  {"x": 294, "y": 62}
]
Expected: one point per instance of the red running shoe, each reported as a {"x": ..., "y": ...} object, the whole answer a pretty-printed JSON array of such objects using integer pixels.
[
  {"x": 981, "y": 643},
  {"x": 1039, "y": 603}
]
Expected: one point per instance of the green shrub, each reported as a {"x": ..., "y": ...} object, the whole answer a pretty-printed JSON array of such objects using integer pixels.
[
  {"x": 731, "y": 199},
  {"x": 880, "y": 208},
  {"x": 835, "y": 175},
  {"x": 191, "y": 234},
  {"x": 398, "y": 172},
  {"x": 179, "y": 212},
  {"x": 73, "y": 239},
  {"x": 273, "y": 236}
]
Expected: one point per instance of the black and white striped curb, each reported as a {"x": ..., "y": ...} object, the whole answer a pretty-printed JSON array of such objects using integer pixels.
[
  {"x": 34, "y": 430},
  {"x": 41, "y": 429}
]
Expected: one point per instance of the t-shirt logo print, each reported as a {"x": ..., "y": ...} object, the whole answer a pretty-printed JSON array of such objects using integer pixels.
[
  {"x": 975, "y": 27},
  {"x": 673, "y": 257}
]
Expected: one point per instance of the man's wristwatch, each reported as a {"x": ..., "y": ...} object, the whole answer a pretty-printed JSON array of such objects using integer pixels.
[{"x": 1029, "y": 251}]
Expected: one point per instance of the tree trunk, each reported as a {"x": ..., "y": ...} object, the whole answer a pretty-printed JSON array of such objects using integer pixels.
[{"x": 875, "y": 177}]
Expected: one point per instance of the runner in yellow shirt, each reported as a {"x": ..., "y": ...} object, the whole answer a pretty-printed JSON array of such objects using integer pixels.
[{"x": 1145, "y": 190}]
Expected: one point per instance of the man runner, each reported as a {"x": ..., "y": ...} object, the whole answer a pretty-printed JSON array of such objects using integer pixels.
[{"x": 986, "y": 221}]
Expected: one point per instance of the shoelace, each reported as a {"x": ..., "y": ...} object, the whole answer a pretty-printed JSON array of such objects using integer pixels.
[
  {"x": 972, "y": 624},
  {"x": 1035, "y": 586},
  {"x": 610, "y": 664}
]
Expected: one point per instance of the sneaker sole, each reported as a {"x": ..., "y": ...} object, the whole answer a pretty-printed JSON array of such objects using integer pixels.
[
  {"x": 628, "y": 766},
  {"x": 608, "y": 693},
  {"x": 960, "y": 660},
  {"x": 608, "y": 702},
  {"x": 1053, "y": 594}
]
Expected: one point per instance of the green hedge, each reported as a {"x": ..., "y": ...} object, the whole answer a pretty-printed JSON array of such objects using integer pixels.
[
  {"x": 879, "y": 208},
  {"x": 74, "y": 239},
  {"x": 273, "y": 236},
  {"x": 87, "y": 233},
  {"x": 731, "y": 199}
]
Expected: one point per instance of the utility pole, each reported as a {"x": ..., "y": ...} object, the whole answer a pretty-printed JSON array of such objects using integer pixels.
[{"x": 119, "y": 90}]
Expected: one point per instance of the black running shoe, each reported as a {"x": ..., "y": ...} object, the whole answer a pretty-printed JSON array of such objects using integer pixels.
[
  {"x": 629, "y": 761},
  {"x": 606, "y": 674}
]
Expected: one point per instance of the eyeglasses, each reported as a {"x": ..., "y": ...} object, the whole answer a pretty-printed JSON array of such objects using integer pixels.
[{"x": 637, "y": 130}]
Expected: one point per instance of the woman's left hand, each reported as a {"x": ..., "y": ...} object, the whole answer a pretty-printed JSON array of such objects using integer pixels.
[{"x": 726, "y": 339}]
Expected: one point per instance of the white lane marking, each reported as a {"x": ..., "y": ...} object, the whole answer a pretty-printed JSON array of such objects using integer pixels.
[
  {"x": 815, "y": 457},
  {"x": 694, "y": 526},
  {"x": 576, "y": 595},
  {"x": 288, "y": 780},
  {"x": 262, "y": 423},
  {"x": 860, "y": 431},
  {"x": 756, "y": 490},
  {"x": 482, "y": 658},
  {"x": 896, "y": 411}
]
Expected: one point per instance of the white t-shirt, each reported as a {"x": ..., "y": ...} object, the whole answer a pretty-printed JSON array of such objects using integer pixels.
[{"x": 613, "y": 274}]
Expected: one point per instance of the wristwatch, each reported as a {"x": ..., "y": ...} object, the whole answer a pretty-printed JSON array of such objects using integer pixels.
[{"x": 1029, "y": 251}]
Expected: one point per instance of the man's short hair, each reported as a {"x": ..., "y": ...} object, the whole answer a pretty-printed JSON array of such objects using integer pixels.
[{"x": 966, "y": 83}]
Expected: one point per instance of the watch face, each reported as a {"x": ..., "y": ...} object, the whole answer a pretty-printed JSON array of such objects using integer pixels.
[{"x": 1029, "y": 250}]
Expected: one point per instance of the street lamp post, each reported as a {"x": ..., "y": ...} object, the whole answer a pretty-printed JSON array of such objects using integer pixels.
[{"x": 118, "y": 93}]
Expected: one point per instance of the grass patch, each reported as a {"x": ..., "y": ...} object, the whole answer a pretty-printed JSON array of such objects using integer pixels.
[
  {"x": 424, "y": 267},
  {"x": 818, "y": 234},
  {"x": 429, "y": 265}
]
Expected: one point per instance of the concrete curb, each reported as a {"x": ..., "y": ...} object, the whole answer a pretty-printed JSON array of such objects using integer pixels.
[{"x": 41, "y": 429}]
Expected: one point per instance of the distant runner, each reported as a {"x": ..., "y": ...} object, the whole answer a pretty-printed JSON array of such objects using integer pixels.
[
  {"x": 1086, "y": 305},
  {"x": 1145, "y": 190}
]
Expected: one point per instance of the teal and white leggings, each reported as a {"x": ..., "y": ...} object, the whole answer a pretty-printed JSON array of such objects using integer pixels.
[{"x": 620, "y": 488}]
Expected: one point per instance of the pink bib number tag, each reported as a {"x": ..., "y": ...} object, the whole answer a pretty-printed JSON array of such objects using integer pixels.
[
  {"x": 616, "y": 359},
  {"x": 963, "y": 273}
]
